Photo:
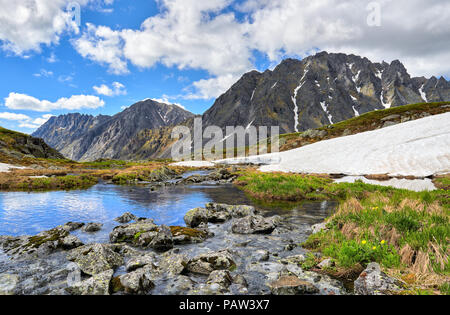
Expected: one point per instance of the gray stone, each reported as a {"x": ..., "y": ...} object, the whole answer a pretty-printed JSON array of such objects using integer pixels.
[
  {"x": 138, "y": 282},
  {"x": 92, "y": 227},
  {"x": 173, "y": 263},
  {"x": 292, "y": 285},
  {"x": 127, "y": 233},
  {"x": 126, "y": 218},
  {"x": 96, "y": 285},
  {"x": 207, "y": 263},
  {"x": 195, "y": 217},
  {"x": 261, "y": 255},
  {"x": 163, "y": 241},
  {"x": 180, "y": 285},
  {"x": 220, "y": 277},
  {"x": 254, "y": 224},
  {"x": 327, "y": 263},
  {"x": 317, "y": 228},
  {"x": 72, "y": 226},
  {"x": 96, "y": 258},
  {"x": 391, "y": 117},
  {"x": 140, "y": 261},
  {"x": 373, "y": 281},
  {"x": 8, "y": 283}
]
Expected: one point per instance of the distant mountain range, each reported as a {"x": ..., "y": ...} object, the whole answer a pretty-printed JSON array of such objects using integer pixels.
[
  {"x": 297, "y": 95},
  {"x": 87, "y": 138}
]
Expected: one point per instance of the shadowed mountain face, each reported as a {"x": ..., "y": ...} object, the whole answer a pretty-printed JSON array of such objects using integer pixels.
[
  {"x": 297, "y": 95},
  {"x": 320, "y": 90},
  {"x": 86, "y": 138}
]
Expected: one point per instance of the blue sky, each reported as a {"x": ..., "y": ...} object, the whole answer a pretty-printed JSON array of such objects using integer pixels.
[{"x": 188, "y": 51}]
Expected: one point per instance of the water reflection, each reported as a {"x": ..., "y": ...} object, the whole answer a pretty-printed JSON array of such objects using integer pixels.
[{"x": 30, "y": 213}]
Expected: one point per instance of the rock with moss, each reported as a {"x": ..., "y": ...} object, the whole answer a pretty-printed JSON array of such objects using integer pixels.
[
  {"x": 207, "y": 263},
  {"x": 373, "y": 281},
  {"x": 98, "y": 284},
  {"x": 254, "y": 224},
  {"x": 182, "y": 235},
  {"x": 40, "y": 245},
  {"x": 130, "y": 233},
  {"x": 96, "y": 258}
]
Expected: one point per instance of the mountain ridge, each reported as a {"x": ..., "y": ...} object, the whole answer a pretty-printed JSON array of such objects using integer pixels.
[{"x": 296, "y": 95}]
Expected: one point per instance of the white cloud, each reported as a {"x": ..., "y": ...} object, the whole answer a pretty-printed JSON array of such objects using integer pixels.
[
  {"x": 44, "y": 73},
  {"x": 26, "y": 25},
  {"x": 42, "y": 120},
  {"x": 211, "y": 88},
  {"x": 25, "y": 102},
  {"x": 103, "y": 45},
  {"x": 28, "y": 126},
  {"x": 116, "y": 88},
  {"x": 13, "y": 116},
  {"x": 165, "y": 100},
  {"x": 206, "y": 35}
]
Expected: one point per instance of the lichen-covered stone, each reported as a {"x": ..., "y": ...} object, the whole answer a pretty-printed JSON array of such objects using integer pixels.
[
  {"x": 128, "y": 233},
  {"x": 292, "y": 285},
  {"x": 220, "y": 277},
  {"x": 253, "y": 224},
  {"x": 140, "y": 261},
  {"x": 163, "y": 241},
  {"x": 373, "y": 281},
  {"x": 138, "y": 282},
  {"x": 96, "y": 285},
  {"x": 206, "y": 263},
  {"x": 96, "y": 258},
  {"x": 195, "y": 217},
  {"x": 8, "y": 283}
]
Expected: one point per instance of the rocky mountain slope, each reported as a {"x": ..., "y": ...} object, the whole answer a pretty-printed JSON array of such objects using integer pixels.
[
  {"x": 88, "y": 138},
  {"x": 15, "y": 146},
  {"x": 297, "y": 95},
  {"x": 320, "y": 90}
]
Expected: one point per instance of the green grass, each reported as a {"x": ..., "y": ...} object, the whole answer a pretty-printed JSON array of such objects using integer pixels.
[
  {"x": 54, "y": 183},
  {"x": 283, "y": 187},
  {"x": 400, "y": 229}
]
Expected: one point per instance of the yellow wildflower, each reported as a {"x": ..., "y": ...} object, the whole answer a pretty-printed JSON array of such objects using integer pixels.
[
  {"x": 364, "y": 242},
  {"x": 374, "y": 248},
  {"x": 383, "y": 242}
]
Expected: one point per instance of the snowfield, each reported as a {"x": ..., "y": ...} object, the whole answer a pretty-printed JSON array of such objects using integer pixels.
[
  {"x": 418, "y": 148},
  {"x": 4, "y": 168}
]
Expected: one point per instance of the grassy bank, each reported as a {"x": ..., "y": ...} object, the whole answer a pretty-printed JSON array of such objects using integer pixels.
[
  {"x": 69, "y": 182},
  {"x": 406, "y": 232}
]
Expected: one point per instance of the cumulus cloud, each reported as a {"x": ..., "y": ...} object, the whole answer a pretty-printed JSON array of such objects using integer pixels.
[
  {"x": 26, "y": 25},
  {"x": 13, "y": 116},
  {"x": 207, "y": 35},
  {"x": 116, "y": 89},
  {"x": 18, "y": 101}
]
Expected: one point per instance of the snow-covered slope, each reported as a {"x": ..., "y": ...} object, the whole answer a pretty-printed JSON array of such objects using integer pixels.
[{"x": 420, "y": 148}]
